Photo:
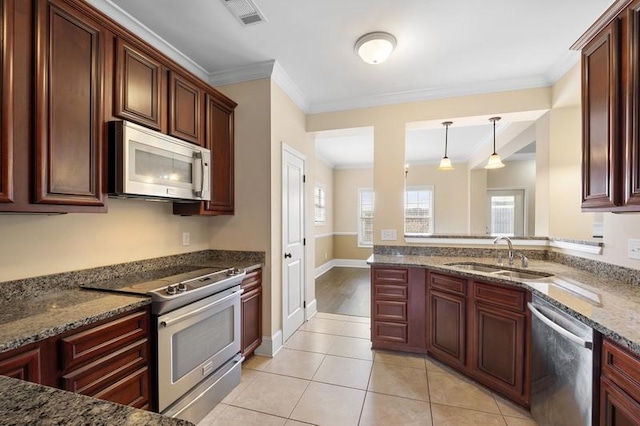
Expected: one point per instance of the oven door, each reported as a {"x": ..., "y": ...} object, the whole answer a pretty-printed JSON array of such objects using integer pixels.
[{"x": 194, "y": 341}]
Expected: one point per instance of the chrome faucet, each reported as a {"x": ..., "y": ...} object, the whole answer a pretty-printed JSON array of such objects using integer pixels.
[{"x": 510, "y": 254}]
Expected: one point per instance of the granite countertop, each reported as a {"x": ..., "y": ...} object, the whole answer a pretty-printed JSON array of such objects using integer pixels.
[
  {"x": 610, "y": 306},
  {"x": 24, "y": 403}
]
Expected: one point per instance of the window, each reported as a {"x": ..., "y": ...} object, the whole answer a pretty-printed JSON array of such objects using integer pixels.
[
  {"x": 418, "y": 210},
  {"x": 506, "y": 212},
  {"x": 321, "y": 207},
  {"x": 365, "y": 217}
]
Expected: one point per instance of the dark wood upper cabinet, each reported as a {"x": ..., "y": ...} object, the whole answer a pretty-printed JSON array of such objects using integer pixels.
[
  {"x": 68, "y": 106},
  {"x": 600, "y": 147},
  {"x": 6, "y": 101},
  {"x": 185, "y": 109},
  {"x": 220, "y": 140},
  {"x": 139, "y": 80},
  {"x": 611, "y": 110}
]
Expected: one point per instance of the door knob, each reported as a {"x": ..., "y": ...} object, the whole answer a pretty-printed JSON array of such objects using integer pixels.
[{"x": 287, "y": 255}]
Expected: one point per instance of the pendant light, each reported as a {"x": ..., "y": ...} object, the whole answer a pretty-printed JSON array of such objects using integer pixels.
[
  {"x": 445, "y": 163},
  {"x": 494, "y": 160}
]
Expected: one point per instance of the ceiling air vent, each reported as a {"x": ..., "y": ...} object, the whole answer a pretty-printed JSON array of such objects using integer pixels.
[{"x": 245, "y": 11}]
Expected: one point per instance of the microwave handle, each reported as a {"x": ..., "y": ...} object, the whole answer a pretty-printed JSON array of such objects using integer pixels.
[{"x": 198, "y": 174}]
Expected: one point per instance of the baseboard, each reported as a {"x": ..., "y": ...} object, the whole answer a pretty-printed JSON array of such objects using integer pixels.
[
  {"x": 270, "y": 345},
  {"x": 345, "y": 263},
  {"x": 312, "y": 309}
]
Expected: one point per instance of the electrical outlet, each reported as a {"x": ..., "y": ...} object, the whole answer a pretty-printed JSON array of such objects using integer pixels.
[
  {"x": 388, "y": 235},
  {"x": 634, "y": 249},
  {"x": 186, "y": 239}
]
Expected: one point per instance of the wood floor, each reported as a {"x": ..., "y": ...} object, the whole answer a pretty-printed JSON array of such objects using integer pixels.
[{"x": 345, "y": 291}]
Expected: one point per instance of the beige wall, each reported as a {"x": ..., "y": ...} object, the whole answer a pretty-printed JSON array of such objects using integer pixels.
[
  {"x": 250, "y": 227},
  {"x": 324, "y": 250},
  {"x": 288, "y": 127},
  {"x": 478, "y": 202},
  {"x": 33, "y": 245},
  {"x": 451, "y": 195},
  {"x": 518, "y": 175},
  {"x": 346, "y": 185},
  {"x": 346, "y": 247}
]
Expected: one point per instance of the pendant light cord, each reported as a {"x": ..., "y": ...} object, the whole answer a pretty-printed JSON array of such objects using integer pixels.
[{"x": 446, "y": 138}]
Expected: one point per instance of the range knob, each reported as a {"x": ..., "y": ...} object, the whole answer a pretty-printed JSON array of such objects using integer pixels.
[
  {"x": 233, "y": 271},
  {"x": 172, "y": 289},
  {"x": 182, "y": 287}
]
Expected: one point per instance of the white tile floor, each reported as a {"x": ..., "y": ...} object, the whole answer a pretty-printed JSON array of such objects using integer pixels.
[{"x": 327, "y": 374}]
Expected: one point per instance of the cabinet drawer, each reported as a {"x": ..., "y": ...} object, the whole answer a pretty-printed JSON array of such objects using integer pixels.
[
  {"x": 448, "y": 284},
  {"x": 390, "y": 275},
  {"x": 390, "y": 291},
  {"x": 133, "y": 390},
  {"x": 252, "y": 280},
  {"x": 621, "y": 367},
  {"x": 106, "y": 371},
  {"x": 386, "y": 310},
  {"x": 504, "y": 297},
  {"x": 23, "y": 366},
  {"x": 86, "y": 346},
  {"x": 390, "y": 332}
]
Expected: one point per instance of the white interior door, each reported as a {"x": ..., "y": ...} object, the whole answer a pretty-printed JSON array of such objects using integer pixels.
[{"x": 293, "y": 265}]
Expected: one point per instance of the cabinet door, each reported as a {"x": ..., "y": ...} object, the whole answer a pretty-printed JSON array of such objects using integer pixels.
[
  {"x": 185, "y": 109},
  {"x": 251, "y": 312},
  {"x": 138, "y": 96},
  {"x": 447, "y": 330},
  {"x": 6, "y": 101},
  {"x": 497, "y": 349},
  {"x": 220, "y": 142},
  {"x": 616, "y": 407},
  {"x": 22, "y": 365},
  {"x": 632, "y": 171},
  {"x": 68, "y": 106},
  {"x": 601, "y": 180}
]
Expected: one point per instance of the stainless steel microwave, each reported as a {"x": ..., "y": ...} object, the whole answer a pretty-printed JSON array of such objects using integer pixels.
[{"x": 149, "y": 164}]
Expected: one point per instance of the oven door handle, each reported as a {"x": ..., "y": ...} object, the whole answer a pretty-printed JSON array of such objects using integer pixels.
[{"x": 171, "y": 321}]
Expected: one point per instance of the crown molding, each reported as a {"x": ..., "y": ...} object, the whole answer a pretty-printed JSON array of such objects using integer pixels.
[
  {"x": 476, "y": 88},
  {"x": 241, "y": 74},
  {"x": 285, "y": 82},
  {"x": 119, "y": 15},
  {"x": 562, "y": 66}
]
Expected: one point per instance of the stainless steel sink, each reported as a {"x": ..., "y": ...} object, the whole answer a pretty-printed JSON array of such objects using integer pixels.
[
  {"x": 500, "y": 271},
  {"x": 523, "y": 275},
  {"x": 476, "y": 267}
]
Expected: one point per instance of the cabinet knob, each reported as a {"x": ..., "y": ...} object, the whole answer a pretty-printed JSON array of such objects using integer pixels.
[{"x": 287, "y": 255}]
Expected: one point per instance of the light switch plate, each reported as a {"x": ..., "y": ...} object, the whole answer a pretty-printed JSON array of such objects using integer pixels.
[
  {"x": 634, "y": 249},
  {"x": 186, "y": 239},
  {"x": 388, "y": 235}
]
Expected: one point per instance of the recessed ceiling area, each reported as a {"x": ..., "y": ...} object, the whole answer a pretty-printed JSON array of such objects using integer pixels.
[{"x": 443, "y": 48}]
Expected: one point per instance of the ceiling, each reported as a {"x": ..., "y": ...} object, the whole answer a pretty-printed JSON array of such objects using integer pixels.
[{"x": 444, "y": 48}]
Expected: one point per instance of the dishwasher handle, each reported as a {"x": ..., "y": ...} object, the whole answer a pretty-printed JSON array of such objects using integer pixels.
[{"x": 562, "y": 331}]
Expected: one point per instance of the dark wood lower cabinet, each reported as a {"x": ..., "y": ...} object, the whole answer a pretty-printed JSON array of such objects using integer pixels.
[
  {"x": 497, "y": 351},
  {"x": 251, "y": 313},
  {"x": 619, "y": 386},
  {"x": 108, "y": 360},
  {"x": 398, "y": 319},
  {"x": 617, "y": 408},
  {"x": 447, "y": 328}
]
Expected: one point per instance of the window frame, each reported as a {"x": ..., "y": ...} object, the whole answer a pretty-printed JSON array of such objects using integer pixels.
[
  {"x": 322, "y": 206},
  {"x": 361, "y": 241},
  {"x": 432, "y": 224}
]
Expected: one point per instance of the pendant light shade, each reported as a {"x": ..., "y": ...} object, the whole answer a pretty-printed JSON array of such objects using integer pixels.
[
  {"x": 445, "y": 163},
  {"x": 375, "y": 48},
  {"x": 494, "y": 160}
]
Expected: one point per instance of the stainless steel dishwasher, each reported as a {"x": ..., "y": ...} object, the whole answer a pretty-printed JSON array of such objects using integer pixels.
[{"x": 561, "y": 367}]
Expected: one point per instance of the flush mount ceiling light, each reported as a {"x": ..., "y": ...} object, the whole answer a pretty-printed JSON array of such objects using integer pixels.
[
  {"x": 375, "y": 47},
  {"x": 494, "y": 160},
  {"x": 445, "y": 163}
]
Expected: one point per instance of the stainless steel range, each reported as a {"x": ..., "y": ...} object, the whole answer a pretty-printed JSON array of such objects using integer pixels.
[{"x": 196, "y": 318}]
